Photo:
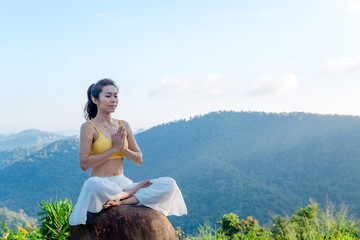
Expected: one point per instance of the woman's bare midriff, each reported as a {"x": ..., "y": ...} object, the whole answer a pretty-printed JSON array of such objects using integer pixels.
[{"x": 112, "y": 167}]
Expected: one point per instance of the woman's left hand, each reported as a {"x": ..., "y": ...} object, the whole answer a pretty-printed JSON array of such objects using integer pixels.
[
  {"x": 118, "y": 138},
  {"x": 123, "y": 137}
]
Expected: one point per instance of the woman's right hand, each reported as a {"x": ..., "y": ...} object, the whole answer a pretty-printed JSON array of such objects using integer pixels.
[{"x": 118, "y": 138}]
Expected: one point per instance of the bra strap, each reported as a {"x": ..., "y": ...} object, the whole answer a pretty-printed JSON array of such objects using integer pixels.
[{"x": 95, "y": 126}]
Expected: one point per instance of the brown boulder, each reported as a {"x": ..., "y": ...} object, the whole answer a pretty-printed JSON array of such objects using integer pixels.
[{"x": 125, "y": 223}]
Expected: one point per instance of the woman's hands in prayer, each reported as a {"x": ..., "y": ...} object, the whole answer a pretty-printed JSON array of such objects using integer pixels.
[{"x": 118, "y": 138}]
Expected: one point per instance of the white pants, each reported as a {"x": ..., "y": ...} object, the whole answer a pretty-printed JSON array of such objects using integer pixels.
[{"x": 163, "y": 195}]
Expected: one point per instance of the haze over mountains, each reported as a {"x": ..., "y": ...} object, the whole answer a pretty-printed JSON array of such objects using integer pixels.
[
  {"x": 29, "y": 138},
  {"x": 250, "y": 163}
]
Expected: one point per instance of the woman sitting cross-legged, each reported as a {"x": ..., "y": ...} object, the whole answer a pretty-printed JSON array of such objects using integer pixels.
[{"x": 104, "y": 143}]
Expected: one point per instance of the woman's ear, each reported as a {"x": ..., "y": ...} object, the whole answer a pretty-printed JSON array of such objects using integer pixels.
[{"x": 94, "y": 100}]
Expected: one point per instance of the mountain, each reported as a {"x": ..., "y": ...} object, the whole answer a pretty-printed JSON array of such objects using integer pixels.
[
  {"x": 250, "y": 163},
  {"x": 28, "y": 138},
  {"x": 69, "y": 132},
  {"x": 2, "y": 136},
  {"x": 9, "y": 157},
  {"x": 140, "y": 130},
  {"x": 13, "y": 219},
  {"x": 51, "y": 172}
]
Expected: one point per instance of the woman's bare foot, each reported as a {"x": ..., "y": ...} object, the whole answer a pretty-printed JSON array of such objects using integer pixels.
[
  {"x": 142, "y": 184},
  {"x": 111, "y": 203},
  {"x": 127, "y": 194}
]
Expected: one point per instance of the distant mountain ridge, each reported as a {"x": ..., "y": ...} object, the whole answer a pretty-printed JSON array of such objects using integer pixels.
[
  {"x": 250, "y": 163},
  {"x": 140, "y": 130},
  {"x": 28, "y": 138}
]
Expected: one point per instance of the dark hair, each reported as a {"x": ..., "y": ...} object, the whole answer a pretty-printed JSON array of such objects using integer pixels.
[{"x": 94, "y": 90}]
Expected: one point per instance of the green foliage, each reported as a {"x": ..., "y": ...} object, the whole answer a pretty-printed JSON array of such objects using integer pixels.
[
  {"x": 311, "y": 223},
  {"x": 54, "y": 219},
  {"x": 14, "y": 219},
  {"x": 54, "y": 223},
  {"x": 281, "y": 227},
  {"x": 332, "y": 222},
  {"x": 206, "y": 232},
  {"x": 236, "y": 229},
  {"x": 306, "y": 223},
  {"x": 250, "y": 226},
  {"x": 230, "y": 224},
  {"x": 180, "y": 234},
  {"x": 28, "y": 232}
]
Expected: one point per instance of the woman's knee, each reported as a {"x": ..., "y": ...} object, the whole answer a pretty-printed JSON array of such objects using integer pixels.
[
  {"x": 171, "y": 183},
  {"x": 91, "y": 185}
]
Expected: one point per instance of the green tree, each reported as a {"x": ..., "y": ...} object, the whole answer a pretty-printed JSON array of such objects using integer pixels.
[
  {"x": 234, "y": 228},
  {"x": 230, "y": 224},
  {"x": 280, "y": 227},
  {"x": 306, "y": 221},
  {"x": 250, "y": 225}
]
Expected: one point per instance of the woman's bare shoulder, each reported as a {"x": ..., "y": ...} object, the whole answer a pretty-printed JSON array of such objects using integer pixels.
[
  {"x": 125, "y": 123},
  {"x": 87, "y": 127},
  {"x": 86, "y": 124},
  {"x": 122, "y": 121}
]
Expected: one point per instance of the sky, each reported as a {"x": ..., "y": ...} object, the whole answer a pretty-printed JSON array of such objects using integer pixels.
[{"x": 176, "y": 59}]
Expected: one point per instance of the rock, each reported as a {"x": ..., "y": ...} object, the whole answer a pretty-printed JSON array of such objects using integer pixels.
[{"x": 125, "y": 223}]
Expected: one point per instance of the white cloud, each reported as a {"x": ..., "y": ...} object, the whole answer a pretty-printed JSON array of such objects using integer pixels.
[
  {"x": 214, "y": 84},
  {"x": 270, "y": 83},
  {"x": 355, "y": 7},
  {"x": 172, "y": 85},
  {"x": 332, "y": 66}
]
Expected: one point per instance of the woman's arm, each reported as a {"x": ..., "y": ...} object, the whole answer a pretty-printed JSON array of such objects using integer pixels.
[
  {"x": 133, "y": 152},
  {"x": 87, "y": 160}
]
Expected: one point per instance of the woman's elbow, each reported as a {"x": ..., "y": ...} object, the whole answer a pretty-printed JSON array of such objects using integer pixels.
[
  {"x": 139, "y": 160},
  {"x": 83, "y": 165},
  {"x": 84, "y": 168}
]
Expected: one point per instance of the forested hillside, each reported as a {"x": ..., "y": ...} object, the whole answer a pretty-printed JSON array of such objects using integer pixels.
[
  {"x": 52, "y": 172},
  {"x": 9, "y": 157},
  {"x": 249, "y": 163},
  {"x": 28, "y": 138},
  {"x": 13, "y": 219}
]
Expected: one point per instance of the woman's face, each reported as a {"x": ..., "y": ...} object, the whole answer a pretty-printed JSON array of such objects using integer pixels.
[{"x": 108, "y": 99}]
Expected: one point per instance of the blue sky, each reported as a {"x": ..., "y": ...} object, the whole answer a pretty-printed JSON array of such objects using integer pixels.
[{"x": 176, "y": 59}]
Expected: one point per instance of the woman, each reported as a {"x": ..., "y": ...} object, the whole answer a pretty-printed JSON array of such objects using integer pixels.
[{"x": 104, "y": 143}]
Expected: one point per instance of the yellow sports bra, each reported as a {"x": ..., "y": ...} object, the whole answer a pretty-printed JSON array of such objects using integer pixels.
[{"x": 102, "y": 144}]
